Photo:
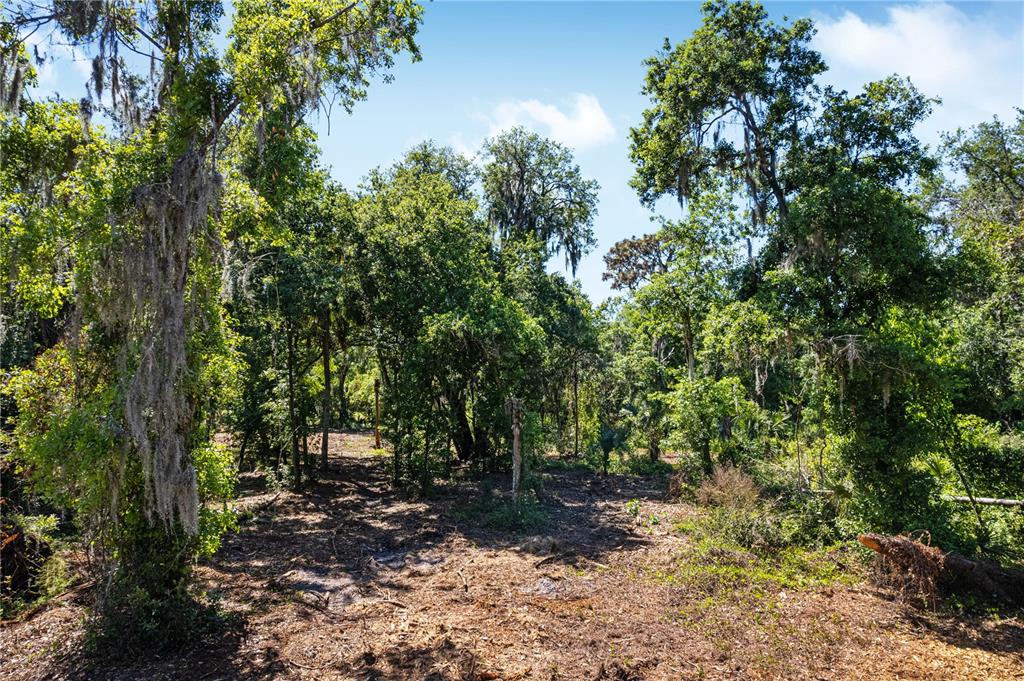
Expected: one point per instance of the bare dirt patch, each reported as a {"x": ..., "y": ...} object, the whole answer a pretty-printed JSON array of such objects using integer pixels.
[{"x": 350, "y": 580}]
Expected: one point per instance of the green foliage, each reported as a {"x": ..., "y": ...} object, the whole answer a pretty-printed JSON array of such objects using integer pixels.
[
  {"x": 704, "y": 413},
  {"x": 534, "y": 190},
  {"x": 636, "y": 463},
  {"x": 729, "y": 571},
  {"x": 737, "y": 66},
  {"x": 35, "y": 569},
  {"x": 851, "y": 344},
  {"x": 830, "y": 315},
  {"x": 499, "y": 512}
]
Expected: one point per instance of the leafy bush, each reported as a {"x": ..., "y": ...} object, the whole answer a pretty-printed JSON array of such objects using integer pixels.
[
  {"x": 738, "y": 513},
  {"x": 31, "y": 568},
  {"x": 277, "y": 477}
]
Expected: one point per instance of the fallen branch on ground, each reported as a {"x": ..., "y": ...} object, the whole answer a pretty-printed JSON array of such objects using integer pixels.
[
  {"x": 988, "y": 501},
  {"x": 59, "y": 598},
  {"x": 276, "y": 582}
]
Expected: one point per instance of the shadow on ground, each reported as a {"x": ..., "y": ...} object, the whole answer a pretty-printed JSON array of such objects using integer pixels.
[{"x": 350, "y": 579}]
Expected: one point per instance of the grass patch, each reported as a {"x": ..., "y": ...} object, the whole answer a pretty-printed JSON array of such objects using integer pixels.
[
  {"x": 716, "y": 568},
  {"x": 500, "y": 512}
]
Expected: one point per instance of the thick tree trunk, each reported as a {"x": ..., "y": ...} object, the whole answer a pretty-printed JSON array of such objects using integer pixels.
[
  {"x": 987, "y": 579},
  {"x": 325, "y": 408},
  {"x": 482, "y": 446},
  {"x": 464, "y": 445},
  {"x": 654, "y": 449}
]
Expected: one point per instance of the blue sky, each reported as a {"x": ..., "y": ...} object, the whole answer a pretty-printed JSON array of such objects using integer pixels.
[{"x": 573, "y": 71}]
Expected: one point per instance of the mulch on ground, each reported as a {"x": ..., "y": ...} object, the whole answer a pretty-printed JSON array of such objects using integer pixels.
[{"x": 350, "y": 580}]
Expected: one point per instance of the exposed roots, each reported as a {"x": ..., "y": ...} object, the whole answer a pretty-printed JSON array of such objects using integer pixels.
[{"x": 911, "y": 568}]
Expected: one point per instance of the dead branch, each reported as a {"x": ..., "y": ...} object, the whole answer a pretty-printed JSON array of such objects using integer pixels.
[{"x": 988, "y": 501}]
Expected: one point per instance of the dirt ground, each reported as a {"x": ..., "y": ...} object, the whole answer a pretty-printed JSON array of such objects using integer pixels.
[{"x": 352, "y": 581}]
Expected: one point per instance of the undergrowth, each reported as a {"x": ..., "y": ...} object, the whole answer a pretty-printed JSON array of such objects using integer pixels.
[
  {"x": 619, "y": 463},
  {"x": 500, "y": 512},
  {"x": 717, "y": 567},
  {"x": 744, "y": 542},
  {"x": 32, "y": 565}
]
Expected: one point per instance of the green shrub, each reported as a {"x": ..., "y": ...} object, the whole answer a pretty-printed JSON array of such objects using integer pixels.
[
  {"x": 33, "y": 569},
  {"x": 277, "y": 477},
  {"x": 69, "y": 440},
  {"x": 500, "y": 512}
]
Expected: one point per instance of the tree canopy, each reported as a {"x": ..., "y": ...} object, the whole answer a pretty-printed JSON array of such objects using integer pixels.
[{"x": 836, "y": 310}]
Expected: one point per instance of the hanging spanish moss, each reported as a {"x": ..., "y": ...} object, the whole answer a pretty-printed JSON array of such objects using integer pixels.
[
  {"x": 13, "y": 68},
  {"x": 152, "y": 270}
]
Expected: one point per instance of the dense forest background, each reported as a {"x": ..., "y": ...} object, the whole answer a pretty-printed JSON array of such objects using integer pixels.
[{"x": 837, "y": 322}]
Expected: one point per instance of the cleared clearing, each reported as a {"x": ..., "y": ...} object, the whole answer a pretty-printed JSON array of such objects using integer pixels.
[{"x": 350, "y": 580}]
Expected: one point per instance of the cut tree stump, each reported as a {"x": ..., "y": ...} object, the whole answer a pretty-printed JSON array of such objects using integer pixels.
[{"x": 929, "y": 565}]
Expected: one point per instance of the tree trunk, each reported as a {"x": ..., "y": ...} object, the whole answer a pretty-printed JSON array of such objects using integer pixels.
[
  {"x": 576, "y": 409},
  {"x": 325, "y": 409},
  {"x": 241, "y": 450},
  {"x": 482, "y": 446},
  {"x": 688, "y": 345},
  {"x": 292, "y": 421},
  {"x": 987, "y": 579},
  {"x": 516, "y": 412},
  {"x": 342, "y": 397},
  {"x": 654, "y": 449},
  {"x": 464, "y": 445},
  {"x": 705, "y": 457},
  {"x": 376, "y": 413}
]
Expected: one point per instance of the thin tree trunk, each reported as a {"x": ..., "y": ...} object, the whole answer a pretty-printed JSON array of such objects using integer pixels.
[
  {"x": 307, "y": 461},
  {"x": 376, "y": 413},
  {"x": 292, "y": 422},
  {"x": 342, "y": 397},
  {"x": 325, "y": 410},
  {"x": 688, "y": 342},
  {"x": 576, "y": 409},
  {"x": 241, "y": 449},
  {"x": 516, "y": 413}
]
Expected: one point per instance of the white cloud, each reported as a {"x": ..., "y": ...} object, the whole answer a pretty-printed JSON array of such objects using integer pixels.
[
  {"x": 457, "y": 141},
  {"x": 974, "y": 64},
  {"x": 583, "y": 125}
]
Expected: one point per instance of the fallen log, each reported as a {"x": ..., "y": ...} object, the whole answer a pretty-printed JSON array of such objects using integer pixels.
[
  {"x": 987, "y": 501},
  {"x": 931, "y": 568}
]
